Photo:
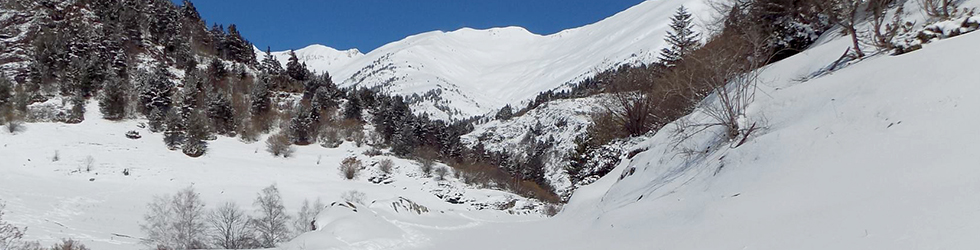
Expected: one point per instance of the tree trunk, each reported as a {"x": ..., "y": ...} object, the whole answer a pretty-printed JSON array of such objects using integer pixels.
[{"x": 854, "y": 39}]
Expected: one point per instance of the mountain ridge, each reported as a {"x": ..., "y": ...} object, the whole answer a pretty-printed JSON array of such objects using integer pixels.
[{"x": 470, "y": 72}]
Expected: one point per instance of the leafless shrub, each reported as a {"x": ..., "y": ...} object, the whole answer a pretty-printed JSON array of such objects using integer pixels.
[
  {"x": 279, "y": 145},
  {"x": 371, "y": 152},
  {"x": 330, "y": 137},
  {"x": 231, "y": 228},
  {"x": 385, "y": 166},
  {"x": 10, "y": 235},
  {"x": 88, "y": 164},
  {"x": 883, "y": 32},
  {"x": 354, "y": 196},
  {"x": 551, "y": 209},
  {"x": 427, "y": 159},
  {"x": 350, "y": 168},
  {"x": 440, "y": 173},
  {"x": 69, "y": 244},
  {"x": 941, "y": 9},
  {"x": 14, "y": 126}
]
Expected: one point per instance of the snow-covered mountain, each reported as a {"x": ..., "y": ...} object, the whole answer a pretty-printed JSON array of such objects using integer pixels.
[
  {"x": 317, "y": 57},
  {"x": 471, "y": 72}
]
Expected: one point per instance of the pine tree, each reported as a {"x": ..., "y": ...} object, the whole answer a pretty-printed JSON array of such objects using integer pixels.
[
  {"x": 261, "y": 96},
  {"x": 173, "y": 137},
  {"x": 270, "y": 64},
  {"x": 157, "y": 91},
  {"x": 294, "y": 69},
  {"x": 221, "y": 114},
  {"x": 197, "y": 133},
  {"x": 113, "y": 102},
  {"x": 353, "y": 108},
  {"x": 6, "y": 92},
  {"x": 681, "y": 38},
  {"x": 303, "y": 126}
]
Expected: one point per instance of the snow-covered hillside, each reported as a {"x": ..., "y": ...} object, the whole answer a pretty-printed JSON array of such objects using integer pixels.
[
  {"x": 470, "y": 72},
  {"x": 317, "y": 57},
  {"x": 49, "y": 188}
]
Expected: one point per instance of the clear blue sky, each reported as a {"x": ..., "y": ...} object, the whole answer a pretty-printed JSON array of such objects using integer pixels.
[{"x": 368, "y": 24}]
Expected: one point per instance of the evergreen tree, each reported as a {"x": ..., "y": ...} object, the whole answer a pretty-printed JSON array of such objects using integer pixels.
[
  {"x": 221, "y": 114},
  {"x": 197, "y": 133},
  {"x": 681, "y": 38},
  {"x": 302, "y": 127},
  {"x": 6, "y": 92},
  {"x": 294, "y": 69},
  {"x": 270, "y": 64},
  {"x": 157, "y": 91},
  {"x": 173, "y": 137},
  {"x": 113, "y": 102},
  {"x": 261, "y": 96},
  {"x": 353, "y": 108}
]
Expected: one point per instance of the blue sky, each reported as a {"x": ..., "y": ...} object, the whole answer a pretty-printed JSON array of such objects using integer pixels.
[{"x": 368, "y": 24}]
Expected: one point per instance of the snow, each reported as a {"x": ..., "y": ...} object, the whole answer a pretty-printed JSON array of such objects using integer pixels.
[
  {"x": 317, "y": 57},
  {"x": 479, "y": 71},
  {"x": 58, "y": 199},
  {"x": 879, "y": 154}
]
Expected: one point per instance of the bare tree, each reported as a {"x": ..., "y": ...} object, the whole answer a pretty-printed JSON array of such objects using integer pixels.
[
  {"x": 189, "y": 219},
  {"x": 845, "y": 13},
  {"x": 306, "y": 215},
  {"x": 272, "y": 220},
  {"x": 231, "y": 228},
  {"x": 175, "y": 222},
  {"x": 157, "y": 224}
]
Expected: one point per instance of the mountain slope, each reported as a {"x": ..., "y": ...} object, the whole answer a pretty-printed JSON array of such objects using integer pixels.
[
  {"x": 877, "y": 155},
  {"x": 471, "y": 72}
]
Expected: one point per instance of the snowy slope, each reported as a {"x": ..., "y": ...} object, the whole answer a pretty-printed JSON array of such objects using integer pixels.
[
  {"x": 878, "y": 155},
  {"x": 472, "y": 72},
  {"x": 102, "y": 208},
  {"x": 317, "y": 57}
]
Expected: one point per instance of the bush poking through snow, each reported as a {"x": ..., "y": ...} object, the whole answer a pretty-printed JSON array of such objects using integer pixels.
[
  {"x": 385, "y": 166},
  {"x": 354, "y": 196},
  {"x": 69, "y": 244},
  {"x": 279, "y": 145},
  {"x": 272, "y": 219},
  {"x": 14, "y": 126},
  {"x": 88, "y": 164},
  {"x": 231, "y": 228},
  {"x": 440, "y": 173},
  {"x": 350, "y": 168},
  {"x": 372, "y": 152},
  {"x": 551, "y": 209}
]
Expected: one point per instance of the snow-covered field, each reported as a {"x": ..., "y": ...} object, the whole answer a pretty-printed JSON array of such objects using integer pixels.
[{"x": 103, "y": 207}]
